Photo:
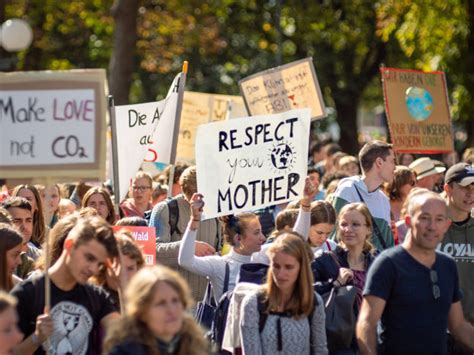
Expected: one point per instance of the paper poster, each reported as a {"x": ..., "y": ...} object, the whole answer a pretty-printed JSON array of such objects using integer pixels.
[
  {"x": 144, "y": 131},
  {"x": 200, "y": 108},
  {"x": 53, "y": 124},
  {"x": 417, "y": 109},
  {"x": 284, "y": 88},
  {"x": 246, "y": 164},
  {"x": 145, "y": 237}
]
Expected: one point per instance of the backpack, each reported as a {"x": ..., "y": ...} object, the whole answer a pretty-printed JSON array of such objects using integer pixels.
[
  {"x": 219, "y": 322},
  {"x": 263, "y": 315},
  {"x": 173, "y": 213}
]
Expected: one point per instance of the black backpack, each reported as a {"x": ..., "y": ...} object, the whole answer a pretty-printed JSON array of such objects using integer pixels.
[{"x": 263, "y": 315}]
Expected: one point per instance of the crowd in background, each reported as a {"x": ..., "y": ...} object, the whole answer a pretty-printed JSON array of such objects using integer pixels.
[{"x": 312, "y": 276}]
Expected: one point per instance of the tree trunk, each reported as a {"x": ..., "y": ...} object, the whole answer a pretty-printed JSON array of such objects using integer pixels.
[
  {"x": 122, "y": 65},
  {"x": 347, "y": 119}
]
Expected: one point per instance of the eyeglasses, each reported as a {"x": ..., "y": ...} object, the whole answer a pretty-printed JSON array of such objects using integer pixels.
[
  {"x": 140, "y": 188},
  {"x": 434, "y": 285}
]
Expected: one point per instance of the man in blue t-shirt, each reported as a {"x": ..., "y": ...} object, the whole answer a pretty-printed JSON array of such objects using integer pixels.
[{"x": 413, "y": 290}]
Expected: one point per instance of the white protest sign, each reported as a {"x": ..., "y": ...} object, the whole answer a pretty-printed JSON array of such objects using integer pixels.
[
  {"x": 145, "y": 131},
  {"x": 246, "y": 164},
  {"x": 287, "y": 87},
  {"x": 53, "y": 124},
  {"x": 201, "y": 108}
]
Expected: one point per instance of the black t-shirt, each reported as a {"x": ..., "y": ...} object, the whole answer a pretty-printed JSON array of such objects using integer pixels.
[
  {"x": 76, "y": 314},
  {"x": 413, "y": 321}
]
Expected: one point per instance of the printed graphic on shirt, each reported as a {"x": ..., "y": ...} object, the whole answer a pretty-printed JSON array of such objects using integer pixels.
[
  {"x": 461, "y": 252},
  {"x": 72, "y": 325}
]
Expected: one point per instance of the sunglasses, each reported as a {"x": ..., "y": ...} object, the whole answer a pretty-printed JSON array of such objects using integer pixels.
[{"x": 434, "y": 284}]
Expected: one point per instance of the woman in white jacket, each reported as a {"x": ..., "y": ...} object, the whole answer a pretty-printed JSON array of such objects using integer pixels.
[{"x": 242, "y": 231}]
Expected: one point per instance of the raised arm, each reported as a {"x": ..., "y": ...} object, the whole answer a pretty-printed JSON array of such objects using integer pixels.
[
  {"x": 303, "y": 222},
  {"x": 366, "y": 329},
  {"x": 186, "y": 258}
]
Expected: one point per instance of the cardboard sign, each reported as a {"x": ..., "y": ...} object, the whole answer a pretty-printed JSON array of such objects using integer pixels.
[
  {"x": 200, "y": 108},
  {"x": 145, "y": 131},
  {"x": 145, "y": 237},
  {"x": 53, "y": 124},
  {"x": 246, "y": 164},
  {"x": 284, "y": 88},
  {"x": 418, "y": 111}
]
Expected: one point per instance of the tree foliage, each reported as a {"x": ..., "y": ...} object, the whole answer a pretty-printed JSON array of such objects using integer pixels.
[{"x": 227, "y": 40}]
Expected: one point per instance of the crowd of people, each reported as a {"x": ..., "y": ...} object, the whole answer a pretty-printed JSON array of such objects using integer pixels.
[{"x": 375, "y": 257}]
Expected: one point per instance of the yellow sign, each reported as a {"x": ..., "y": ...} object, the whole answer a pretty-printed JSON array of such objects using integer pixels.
[
  {"x": 284, "y": 88},
  {"x": 200, "y": 108},
  {"x": 417, "y": 108}
]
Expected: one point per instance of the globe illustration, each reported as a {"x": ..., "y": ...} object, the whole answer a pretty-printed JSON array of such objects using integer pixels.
[
  {"x": 282, "y": 156},
  {"x": 419, "y": 103}
]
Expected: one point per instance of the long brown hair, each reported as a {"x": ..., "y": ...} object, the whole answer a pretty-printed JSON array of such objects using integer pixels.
[
  {"x": 302, "y": 300},
  {"x": 57, "y": 236},
  {"x": 139, "y": 294},
  {"x": 108, "y": 201},
  {"x": 39, "y": 225},
  {"x": 9, "y": 239}
]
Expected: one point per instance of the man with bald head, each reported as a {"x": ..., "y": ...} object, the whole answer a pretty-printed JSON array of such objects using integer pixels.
[{"x": 413, "y": 289}]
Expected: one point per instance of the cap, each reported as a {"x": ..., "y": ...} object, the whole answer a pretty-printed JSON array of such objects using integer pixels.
[
  {"x": 424, "y": 167},
  {"x": 462, "y": 173}
]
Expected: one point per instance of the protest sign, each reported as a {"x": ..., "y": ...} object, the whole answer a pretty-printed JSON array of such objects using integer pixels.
[
  {"x": 284, "y": 88},
  {"x": 200, "y": 108},
  {"x": 145, "y": 132},
  {"x": 417, "y": 108},
  {"x": 53, "y": 124},
  {"x": 246, "y": 164},
  {"x": 145, "y": 237}
]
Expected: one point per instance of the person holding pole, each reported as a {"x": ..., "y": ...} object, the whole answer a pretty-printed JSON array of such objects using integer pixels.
[{"x": 77, "y": 308}]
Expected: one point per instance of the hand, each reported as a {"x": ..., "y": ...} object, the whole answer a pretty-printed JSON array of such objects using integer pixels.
[
  {"x": 114, "y": 273},
  {"x": 44, "y": 327},
  {"x": 310, "y": 190},
  {"x": 203, "y": 249},
  {"x": 197, "y": 204},
  {"x": 345, "y": 275}
]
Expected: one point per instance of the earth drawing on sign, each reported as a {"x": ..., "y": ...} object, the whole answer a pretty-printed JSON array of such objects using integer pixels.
[
  {"x": 419, "y": 103},
  {"x": 282, "y": 156}
]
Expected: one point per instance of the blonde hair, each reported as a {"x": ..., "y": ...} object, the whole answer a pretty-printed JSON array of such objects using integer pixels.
[
  {"x": 139, "y": 295},
  {"x": 362, "y": 209},
  {"x": 301, "y": 302}
]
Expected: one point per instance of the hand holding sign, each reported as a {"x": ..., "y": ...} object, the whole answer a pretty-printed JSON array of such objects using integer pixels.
[
  {"x": 308, "y": 193},
  {"x": 197, "y": 205}
]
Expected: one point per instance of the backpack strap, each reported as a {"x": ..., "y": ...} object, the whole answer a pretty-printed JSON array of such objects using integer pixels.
[
  {"x": 226, "y": 278},
  {"x": 377, "y": 231},
  {"x": 263, "y": 315},
  {"x": 173, "y": 212}
]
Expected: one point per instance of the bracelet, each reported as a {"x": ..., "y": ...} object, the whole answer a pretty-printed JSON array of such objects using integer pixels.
[{"x": 196, "y": 220}]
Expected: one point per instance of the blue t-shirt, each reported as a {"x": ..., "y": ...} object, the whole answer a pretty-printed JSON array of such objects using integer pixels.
[{"x": 413, "y": 321}]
